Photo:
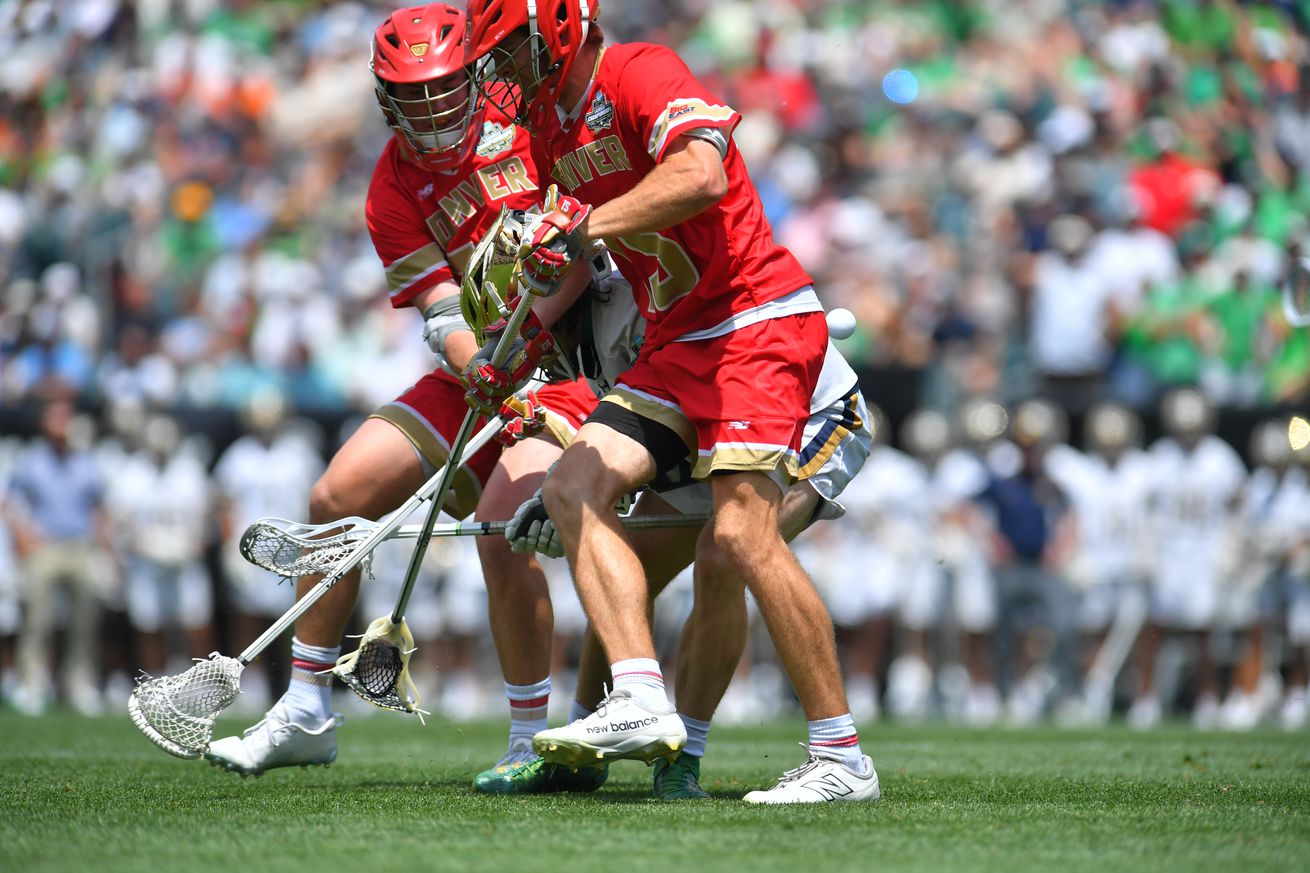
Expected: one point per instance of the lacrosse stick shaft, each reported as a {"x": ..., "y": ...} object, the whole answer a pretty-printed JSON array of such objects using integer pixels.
[
  {"x": 497, "y": 528},
  {"x": 498, "y": 358},
  {"x": 382, "y": 532}
]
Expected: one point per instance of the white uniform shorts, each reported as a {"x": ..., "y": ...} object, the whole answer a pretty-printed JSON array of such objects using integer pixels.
[
  {"x": 835, "y": 443},
  {"x": 255, "y": 591},
  {"x": 161, "y": 596},
  {"x": 1185, "y": 593}
]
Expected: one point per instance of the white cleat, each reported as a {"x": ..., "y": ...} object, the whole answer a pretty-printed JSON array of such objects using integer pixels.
[
  {"x": 276, "y": 741},
  {"x": 620, "y": 729},
  {"x": 821, "y": 780}
]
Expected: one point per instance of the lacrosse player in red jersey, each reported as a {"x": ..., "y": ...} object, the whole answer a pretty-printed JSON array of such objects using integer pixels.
[
  {"x": 437, "y": 188},
  {"x": 735, "y": 341}
]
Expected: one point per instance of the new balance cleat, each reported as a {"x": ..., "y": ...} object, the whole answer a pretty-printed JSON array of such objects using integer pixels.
[
  {"x": 679, "y": 779},
  {"x": 276, "y": 741},
  {"x": 620, "y": 729},
  {"x": 821, "y": 780}
]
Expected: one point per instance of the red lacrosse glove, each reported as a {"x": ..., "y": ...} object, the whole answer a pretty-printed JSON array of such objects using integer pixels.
[
  {"x": 524, "y": 417},
  {"x": 554, "y": 244},
  {"x": 488, "y": 386}
]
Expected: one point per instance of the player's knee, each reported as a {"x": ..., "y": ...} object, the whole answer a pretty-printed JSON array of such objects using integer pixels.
[
  {"x": 726, "y": 549},
  {"x": 326, "y": 501}
]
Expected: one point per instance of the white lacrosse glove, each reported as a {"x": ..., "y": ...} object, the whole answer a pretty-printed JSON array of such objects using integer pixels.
[{"x": 531, "y": 530}]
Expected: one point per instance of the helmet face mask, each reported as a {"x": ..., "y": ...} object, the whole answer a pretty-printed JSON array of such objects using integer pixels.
[
  {"x": 432, "y": 118},
  {"x": 422, "y": 86},
  {"x": 512, "y": 73},
  {"x": 521, "y": 51}
]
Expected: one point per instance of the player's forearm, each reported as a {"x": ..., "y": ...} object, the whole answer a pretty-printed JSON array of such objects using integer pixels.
[
  {"x": 549, "y": 309},
  {"x": 688, "y": 181},
  {"x": 458, "y": 346}
]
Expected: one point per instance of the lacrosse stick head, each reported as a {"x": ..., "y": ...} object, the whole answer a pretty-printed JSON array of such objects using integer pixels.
[
  {"x": 378, "y": 671},
  {"x": 292, "y": 549},
  {"x": 177, "y": 713}
]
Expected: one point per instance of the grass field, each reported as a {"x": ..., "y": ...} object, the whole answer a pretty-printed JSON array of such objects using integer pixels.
[{"x": 80, "y": 794}]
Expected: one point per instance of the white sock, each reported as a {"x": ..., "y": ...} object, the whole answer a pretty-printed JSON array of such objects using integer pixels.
[
  {"x": 577, "y": 712},
  {"x": 837, "y": 739},
  {"x": 309, "y": 693},
  {"x": 697, "y": 733},
  {"x": 643, "y": 679},
  {"x": 527, "y": 710}
]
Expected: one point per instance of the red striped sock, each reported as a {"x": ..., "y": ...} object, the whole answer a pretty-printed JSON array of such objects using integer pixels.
[
  {"x": 836, "y": 738},
  {"x": 527, "y": 709},
  {"x": 642, "y": 678}
]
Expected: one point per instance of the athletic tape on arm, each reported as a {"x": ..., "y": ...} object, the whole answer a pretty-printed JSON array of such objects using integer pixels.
[{"x": 440, "y": 320}]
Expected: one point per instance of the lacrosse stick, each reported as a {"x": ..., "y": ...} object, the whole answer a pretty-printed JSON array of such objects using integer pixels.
[
  {"x": 378, "y": 670},
  {"x": 1118, "y": 645},
  {"x": 1296, "y": 294},
  {"x": 177, "y": 713},
  {"x": 290, "y": 548}
]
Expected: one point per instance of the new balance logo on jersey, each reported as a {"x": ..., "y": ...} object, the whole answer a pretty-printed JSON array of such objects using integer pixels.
[
  {"x": 830, "y": 786},
  {"x": 616, "y": 726},
  {"x": 739, "y": 425}
]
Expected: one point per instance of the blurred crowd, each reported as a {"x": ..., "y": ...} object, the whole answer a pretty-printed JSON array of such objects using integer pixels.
[{"x": 1086, "y": 202}]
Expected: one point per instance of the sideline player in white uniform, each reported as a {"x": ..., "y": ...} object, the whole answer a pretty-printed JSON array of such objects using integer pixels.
[
  {"x": 1108, "y": 486},
  {"x": 859, "y": 563},
  {"x": 160, "y": 505},
  {"x": 1275, "y": 513},
  {"x": 947, "y": 583},
  {"x": 1197, "y": 480},
  {"x": 263, "y": 473}
]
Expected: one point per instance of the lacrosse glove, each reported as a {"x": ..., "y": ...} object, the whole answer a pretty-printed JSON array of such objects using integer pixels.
[
  {"x": 553, "y": 244},
  {"x": 487, "y": 385},
  {"x": 531, "y": 530},
  {"x": 524, "y": 417}
]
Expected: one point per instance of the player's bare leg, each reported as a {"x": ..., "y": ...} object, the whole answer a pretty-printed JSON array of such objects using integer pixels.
[
  {"x": 742, "y": 541},
  {"x": 636, "y": 720},
  {"x": 522, "y": 627},
  {"x": 598, "y": 468},
  {"x": 372, "y": 474}
]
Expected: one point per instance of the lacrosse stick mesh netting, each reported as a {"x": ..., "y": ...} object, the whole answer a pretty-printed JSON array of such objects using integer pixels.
[{"x": 177, "y": 712}]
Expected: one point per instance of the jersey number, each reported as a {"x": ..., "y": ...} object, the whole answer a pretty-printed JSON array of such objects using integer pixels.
[{"x": 676, "y": 275}]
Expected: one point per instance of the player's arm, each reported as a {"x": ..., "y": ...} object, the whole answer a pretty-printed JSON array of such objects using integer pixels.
[
  {"x": 689, "y": 180},
  {"x": 444, "y": 328}
]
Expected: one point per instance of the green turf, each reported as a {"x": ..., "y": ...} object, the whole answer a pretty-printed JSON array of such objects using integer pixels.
[{"x": 79, "y": 794}]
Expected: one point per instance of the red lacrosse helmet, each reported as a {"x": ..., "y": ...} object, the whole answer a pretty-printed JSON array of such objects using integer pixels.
[
  {"x": 422, "y": 86},
  {"x": 556, "y": 30}
]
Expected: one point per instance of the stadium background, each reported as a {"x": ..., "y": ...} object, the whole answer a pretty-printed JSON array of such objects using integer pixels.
[{"x": 1044, "y": 198}]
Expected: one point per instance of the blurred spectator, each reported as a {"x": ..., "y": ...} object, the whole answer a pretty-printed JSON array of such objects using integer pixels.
[
  {"x": 159, "y": 502},
  {"x": 56, "y": 501}
]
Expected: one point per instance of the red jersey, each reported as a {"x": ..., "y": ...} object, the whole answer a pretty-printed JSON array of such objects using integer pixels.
[
  {"x": 700, "y": 273},
  {"x": 425, "y": 224}
]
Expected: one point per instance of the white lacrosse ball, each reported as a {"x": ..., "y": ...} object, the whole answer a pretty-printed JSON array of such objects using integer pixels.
[{"x": 841, "y": 323}]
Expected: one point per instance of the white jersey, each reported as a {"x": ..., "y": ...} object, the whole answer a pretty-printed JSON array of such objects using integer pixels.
[
  {"x": 1276, "y": 511},
  {"x": 273, "y": 480},
  {"x": 1109, "y": 502},
  {"x": 1193, "y": 491},
  {"x": 161, "y": 511}
]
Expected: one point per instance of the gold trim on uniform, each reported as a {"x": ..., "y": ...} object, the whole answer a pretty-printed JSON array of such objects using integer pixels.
[
  {"x": 465, "y": 490},
  {"x": 404, "y": 272},
  {"x": 743, "y": 459},
  {"x": 649, "y": 407}
]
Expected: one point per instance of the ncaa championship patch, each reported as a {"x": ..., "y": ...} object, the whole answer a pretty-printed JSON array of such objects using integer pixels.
[
  {"x": 496, "y": 138},
  {"x": 601, "y": 113}
]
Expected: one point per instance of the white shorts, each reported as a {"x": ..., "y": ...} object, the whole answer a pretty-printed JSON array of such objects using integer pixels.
[
  {"x": 1099, "y": 604},
  {"x": 964, "y": 593},
  {"x": 378, "y": 592},
  {"x": 829, "y": 440},
  {"x": 160, "y": 596},
  {"x": 856, "y": 580},
  {"x": 1185, "y": 592},
  {"x": 255, "y": 591}
]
